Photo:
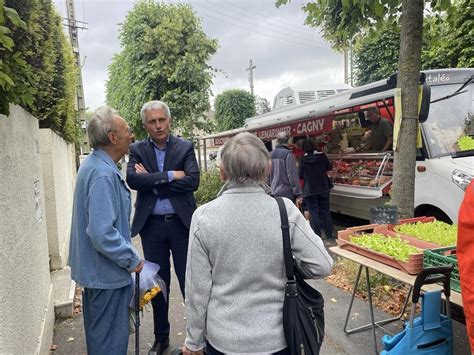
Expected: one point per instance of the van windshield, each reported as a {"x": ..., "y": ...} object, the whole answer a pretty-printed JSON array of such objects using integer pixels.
[{"x": 449, "y": 129}]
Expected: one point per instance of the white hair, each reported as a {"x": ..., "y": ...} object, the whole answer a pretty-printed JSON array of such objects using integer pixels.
[
  {"x": 282, "y": 137},
  {"x": 245, "y": 158},
  {"x": 101, "y": 124},
  {"x": 154, "y": 105}
]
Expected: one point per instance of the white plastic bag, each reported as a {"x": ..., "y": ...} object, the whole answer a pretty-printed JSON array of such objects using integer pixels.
[{"x": 151, "y": 284}]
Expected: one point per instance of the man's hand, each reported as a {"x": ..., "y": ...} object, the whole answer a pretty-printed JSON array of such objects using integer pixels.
[
  {"x": 140, "y": 169},
  {"x": 186, "y": 351},
  {"x": 139, "y": 266},
  {"x": 178, "y": 174}
]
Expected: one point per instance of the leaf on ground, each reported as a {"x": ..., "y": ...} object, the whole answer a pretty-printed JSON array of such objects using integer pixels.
[
  {"x": 70, "y": 339},
  {"x": 53, "y": 347},
  {"x": 180, "y": 333},
  {"x": 333, "y": 300},
  {"x": 387, "y": 287}
]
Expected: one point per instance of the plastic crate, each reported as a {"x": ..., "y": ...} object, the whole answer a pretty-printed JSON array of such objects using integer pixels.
[{"x": 444, "y": 256}]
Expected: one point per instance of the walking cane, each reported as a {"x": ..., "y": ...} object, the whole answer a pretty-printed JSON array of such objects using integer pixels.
[{"x": 137, "y": 313}]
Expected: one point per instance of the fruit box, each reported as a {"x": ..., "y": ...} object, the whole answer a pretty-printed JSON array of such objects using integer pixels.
[
  {"x": 422, "y": 244},
  {"x": 441, "y": 257},
  {"x": 413, "y": 266}
]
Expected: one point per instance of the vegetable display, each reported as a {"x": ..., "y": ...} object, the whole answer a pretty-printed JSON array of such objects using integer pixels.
[
  {"x": 435, "y": 232},
  {"x": 465, "y": 143},
  {"x": 395, "y": 247}
]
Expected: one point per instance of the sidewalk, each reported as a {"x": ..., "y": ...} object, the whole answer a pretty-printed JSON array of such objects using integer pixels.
[{"x": 69, "y": 333}]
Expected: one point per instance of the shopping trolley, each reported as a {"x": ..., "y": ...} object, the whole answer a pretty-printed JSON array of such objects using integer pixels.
[{"x": 431, "y": 332}]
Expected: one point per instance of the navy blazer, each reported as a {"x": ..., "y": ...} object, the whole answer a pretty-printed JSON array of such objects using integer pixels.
[{"x": 179, "y": 156}]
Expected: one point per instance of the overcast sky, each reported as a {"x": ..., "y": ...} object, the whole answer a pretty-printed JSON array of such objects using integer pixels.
[{"x": 284, "y": 51}]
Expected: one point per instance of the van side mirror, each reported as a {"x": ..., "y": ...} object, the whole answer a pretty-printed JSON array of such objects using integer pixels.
[{"x": 425, "y": 102}]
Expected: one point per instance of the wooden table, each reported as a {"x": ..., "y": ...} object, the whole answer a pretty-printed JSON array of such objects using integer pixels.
[{"x": 367, "y": 263}]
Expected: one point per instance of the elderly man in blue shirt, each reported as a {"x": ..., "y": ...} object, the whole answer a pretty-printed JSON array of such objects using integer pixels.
[{"x": 101, "y": 254}]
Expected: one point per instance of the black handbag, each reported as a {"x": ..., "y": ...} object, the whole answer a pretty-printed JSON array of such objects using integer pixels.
[{"x": 303, "y": 308}]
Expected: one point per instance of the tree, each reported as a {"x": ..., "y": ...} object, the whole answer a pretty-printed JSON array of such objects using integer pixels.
[
  {"x": 232, "y": 107},
  {"x": 164, "y": 57},
  {"x": 41, "y": 67},
  {"x": 262, "y": 105},
  {"x": 340, "y": 21},
  {"x": 446, "y": 44}
]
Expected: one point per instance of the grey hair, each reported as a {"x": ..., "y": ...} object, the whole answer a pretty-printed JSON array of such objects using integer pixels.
[
  {"x": 154, "y": 105},
  {"x": 282, "y": 137},
  {"x": 245, "y": 159},
  {"x": 101, "y": 124}
]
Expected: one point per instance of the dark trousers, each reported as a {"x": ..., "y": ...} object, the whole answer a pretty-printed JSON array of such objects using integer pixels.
[
  {"x": 159, "y": 238},
  {"x": 318, "y": 207},
  {"x": 106, "y": 320},
  {"x": 211, "y": 351}
]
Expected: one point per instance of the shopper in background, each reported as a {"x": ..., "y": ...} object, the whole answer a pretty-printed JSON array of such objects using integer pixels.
[
  {"x": 313, "y": 170},
  {"x": 283, "y": 179},
  {"x": 465, "y": 253}
]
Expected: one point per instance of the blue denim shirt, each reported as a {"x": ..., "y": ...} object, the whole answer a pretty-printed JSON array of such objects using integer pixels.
[{"x": 100, "y": 252}]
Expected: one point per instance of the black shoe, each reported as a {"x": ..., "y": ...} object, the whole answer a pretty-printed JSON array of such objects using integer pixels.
[{"x": 158, "y": 347}]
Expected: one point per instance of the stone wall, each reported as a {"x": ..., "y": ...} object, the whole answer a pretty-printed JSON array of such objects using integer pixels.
[{"x": 26, "y": 303}]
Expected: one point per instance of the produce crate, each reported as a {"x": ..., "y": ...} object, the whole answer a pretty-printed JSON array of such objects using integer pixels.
[
  {"x": 413, "y": 266},
  {"x": 441, "y": 257},
  {"x": 423, "y": 243}
]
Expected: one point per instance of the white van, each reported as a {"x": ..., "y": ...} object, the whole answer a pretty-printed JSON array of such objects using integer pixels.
[{"x": 445, "y": 165}]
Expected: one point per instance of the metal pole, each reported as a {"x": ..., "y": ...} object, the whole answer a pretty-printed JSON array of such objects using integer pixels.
[
  {"x": 137, "y": 313},
  {"x": 205, "y": 155},
  {"x": 199, "y": 154}
]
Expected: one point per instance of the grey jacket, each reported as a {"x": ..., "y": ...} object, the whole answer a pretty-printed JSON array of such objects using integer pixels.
[
  {"x": 235, "y": 276},
  {"x": 284, "y": 180}
]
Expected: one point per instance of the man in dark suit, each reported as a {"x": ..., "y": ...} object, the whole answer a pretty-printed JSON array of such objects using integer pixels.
[{"x": 164, "y": 171}]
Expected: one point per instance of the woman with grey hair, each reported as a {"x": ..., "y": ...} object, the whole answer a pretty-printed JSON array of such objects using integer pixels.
[{"x": 235, "y": 279}]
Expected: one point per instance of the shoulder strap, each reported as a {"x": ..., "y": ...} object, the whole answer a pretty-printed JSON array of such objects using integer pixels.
[{"x": 285, "y": 229}]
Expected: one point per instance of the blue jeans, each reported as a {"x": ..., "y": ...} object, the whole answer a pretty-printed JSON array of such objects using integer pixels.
[
  {"x": 105, "y": 314},
  {"x": 159, "y": 238},
  {"x": 318, "y": 207}
]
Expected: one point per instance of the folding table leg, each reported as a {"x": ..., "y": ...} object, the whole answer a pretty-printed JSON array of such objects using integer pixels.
[
  {"x": 371, "y": 308},
  {"x": 372, "y": 324}
]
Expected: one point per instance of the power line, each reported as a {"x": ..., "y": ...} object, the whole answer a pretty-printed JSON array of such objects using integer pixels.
[
  {"x": 253, "y": 24},
  {"x": 259, "y": 16},
  {"x": 201, "y": 13}
]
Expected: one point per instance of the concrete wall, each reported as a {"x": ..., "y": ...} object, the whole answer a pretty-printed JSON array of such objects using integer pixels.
[
  {"x": 59, "y": 172},
  {"x": 26, "y": 306}
]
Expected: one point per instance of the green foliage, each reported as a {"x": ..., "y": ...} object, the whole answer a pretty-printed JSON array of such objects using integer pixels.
[
  {"x": 209, "y": 186},
  {"x": 164, "y": 57},
  {"x": 342, "y": 20},
  {"x": 395, "y": 247},
  {"x": 435, "y": 232},
  {"x": 41, "y": 66},
  {"x": 15, "y": 74},
  {"x": 446, "y": 44},
  {"x": 232, "y": 107}
]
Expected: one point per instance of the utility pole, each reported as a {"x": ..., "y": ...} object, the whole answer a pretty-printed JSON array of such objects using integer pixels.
[
  {"x": 72, "y": 24},
  {"x": 250, "y": 70},
  {"x": 348, "y": 66}
]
